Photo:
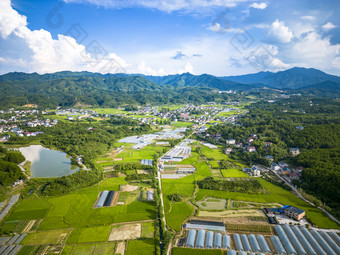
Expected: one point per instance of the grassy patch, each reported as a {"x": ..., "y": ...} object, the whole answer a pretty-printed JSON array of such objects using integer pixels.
[
  {"x": 30, "y": 209},
  {"x": 76, "y": 210},
  {"x": 105, "y": 249},
  {"x": 181, "y": 124},
  {"x": 112, "y": 183},
  {"x": 179, "y": 212},
  {"x": 202, "y": 170},
  {"x": 132, "y": 155},
  {"x": 190, "y": 160},
  {"x": 148, "y": 229},
  {"x": 31, "y": 250},
  {"x": 214, "y": 164},
  {"x": 184, "y": 186},
  {"x": 89, "y": 235},
  {"x": 212, "y": 204},
  {"x": 27, "y": 167},
  {"x": 263, "y": 198},
  {"x": 285, "y": 197},
  {"x": 233, "y": 173},
  {"x": 85, "y": 249},
  {"x": 67, "y": 250},
  {"x": 15, "y": 226},
  {"x": 216, "y": 154},
  {"x": 140, "y": 247},
  {"x": 46, "y": 237}
]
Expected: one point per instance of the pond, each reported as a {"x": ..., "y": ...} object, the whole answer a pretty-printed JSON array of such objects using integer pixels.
[{"x": 46, "y": 162}]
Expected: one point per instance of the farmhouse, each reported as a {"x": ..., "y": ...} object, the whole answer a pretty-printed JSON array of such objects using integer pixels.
[
  {"x": 250, "y": 140},
  {"x": 268, "y": 144},
  {"x": 286, "y": 171},
  {"x": 293, "y": 176},
  {"x": 272, "y": 211},
  {"x": 231, "y": 141},
  {"x": 271, "y": 158},
  {"x": 254, "y": 136},
  {"x": 293, "y": 212},
  {"x": 294, "y": 151},
  {"x": 228, "y": 150},
  {"x": 250, "y": 148},
  {"x": 283, "y": 164},
  {"x": 255, "y": 171}
]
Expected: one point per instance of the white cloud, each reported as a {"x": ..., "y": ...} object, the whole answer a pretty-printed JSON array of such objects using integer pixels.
[
  {"x": 311, "y": 50},
  {"x": 308, "y": 17},
  {"x": 10, "y": 19},
  {"x": 163, "y": 5},
  {"x": 147, "y": 70},
  {"x": 328, "y": 26},
  {"x": 300, "y": 29},
  {"x": 188, "y": 68},
  {"x": 216, "y": 27},
  {"x": 281, "y": 32},
  {"x": 51, "y": 55},
  {"x": 259, "y": 5}
]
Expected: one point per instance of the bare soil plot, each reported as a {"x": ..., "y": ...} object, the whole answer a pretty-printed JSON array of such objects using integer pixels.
[
  {"x": 125, "y": 232},
  {"x": 128, "y": 187},
  {"x": 115, "y": 198},
  {"x": 143, "y": 172},
  {"x": 120, "y": 248},
  {"x": 231, "y": 213},
  {"x": 29, "y": 226}
]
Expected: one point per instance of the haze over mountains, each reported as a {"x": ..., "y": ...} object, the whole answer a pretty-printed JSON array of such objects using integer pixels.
[{"x": 96, "y": 88}]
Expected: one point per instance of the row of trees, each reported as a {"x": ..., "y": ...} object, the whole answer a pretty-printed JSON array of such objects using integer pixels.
[{"x": 246, "y": 185}]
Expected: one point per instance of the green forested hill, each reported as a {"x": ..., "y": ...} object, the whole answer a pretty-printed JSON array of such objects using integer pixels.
[
  {"x": 69, "y": 88},
  {"x": 107, "y": 90}
]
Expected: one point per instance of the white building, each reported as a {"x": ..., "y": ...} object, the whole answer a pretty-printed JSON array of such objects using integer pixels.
[{"x": 231, "y": 141}]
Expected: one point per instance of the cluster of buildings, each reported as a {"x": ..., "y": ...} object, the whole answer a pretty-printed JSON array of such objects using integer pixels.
[
  {"x": 178, "y": 153},
  {"x": 288, "y": 210},
  {"x": 284, "y": 169},
  {"x": 144, "y": 140},
  {"x": 15, "y": 120},
  {"x": 191, "y": 113},
  {"x": 74, "y": 111},
  {"x": 253, "y": 171}
]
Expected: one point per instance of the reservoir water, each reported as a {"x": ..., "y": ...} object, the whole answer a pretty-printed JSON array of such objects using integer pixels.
[{"x": 46, "y": 162}]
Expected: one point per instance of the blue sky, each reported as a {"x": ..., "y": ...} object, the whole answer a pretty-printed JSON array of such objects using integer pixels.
[{"x": 219, "y": 37}]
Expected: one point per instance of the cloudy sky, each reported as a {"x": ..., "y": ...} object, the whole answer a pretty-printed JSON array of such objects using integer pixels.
[{"x": 219, "y": 37}]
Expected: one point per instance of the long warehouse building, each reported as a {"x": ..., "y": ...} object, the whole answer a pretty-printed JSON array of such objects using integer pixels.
[
  {"x": 109, "y": 198},
  {"x": 300, "y": 250},
  {"x": 102, "y": 199},
  {"x": 309, "y": 249}
]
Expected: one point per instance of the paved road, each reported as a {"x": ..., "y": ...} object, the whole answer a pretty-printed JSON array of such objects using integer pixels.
[
  {"x": 21, "y": 164},
  {"x": 300, "y": 195}
]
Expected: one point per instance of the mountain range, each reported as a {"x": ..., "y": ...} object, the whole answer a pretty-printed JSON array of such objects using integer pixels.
[{"x": 94, "y": 88}]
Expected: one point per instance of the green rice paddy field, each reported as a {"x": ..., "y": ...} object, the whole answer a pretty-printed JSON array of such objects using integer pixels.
[
  {"x": 90, "y": 249},
  {"x": 140, "y": 247},
  {"x": 76, "y": 209}
]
